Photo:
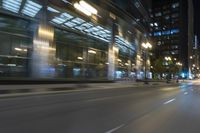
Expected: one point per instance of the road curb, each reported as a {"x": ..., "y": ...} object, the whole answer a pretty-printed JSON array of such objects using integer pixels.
[{"x": 4, "y": 93}]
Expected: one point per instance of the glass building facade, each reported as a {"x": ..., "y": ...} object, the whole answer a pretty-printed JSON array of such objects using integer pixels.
[
  {"x": 172, "y": 31},
  {"x": 53, "y": 39}
]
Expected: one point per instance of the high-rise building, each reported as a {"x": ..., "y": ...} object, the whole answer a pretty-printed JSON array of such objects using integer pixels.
[{"x": 172, "y": 31}]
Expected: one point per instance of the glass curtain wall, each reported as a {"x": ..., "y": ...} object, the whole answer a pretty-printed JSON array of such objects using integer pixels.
[{"x": 44, "y": 39}]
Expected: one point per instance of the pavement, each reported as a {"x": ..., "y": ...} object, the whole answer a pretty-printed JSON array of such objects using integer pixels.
[
  {"x": 32, "y": 89},
  {"x": 142, "y": 109}
]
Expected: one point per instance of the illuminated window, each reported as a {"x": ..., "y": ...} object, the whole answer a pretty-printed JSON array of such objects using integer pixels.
[
  {"x": 158, "y": 14},
  {"x": 175, "y": 5},
  {"x": 167, "y": 32},
  {"x": 174, "y": 31},
  {"x": 157, "y": 33},
  {"x": 31, "y": 8},
  {"x": 12, "y": 5},
  {"x": 167, "y": 17}
]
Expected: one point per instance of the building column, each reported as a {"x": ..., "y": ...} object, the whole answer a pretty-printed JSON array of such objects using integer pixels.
[
  {"x": 43, "y": 52},
  {"x": 112, "y": 52}
]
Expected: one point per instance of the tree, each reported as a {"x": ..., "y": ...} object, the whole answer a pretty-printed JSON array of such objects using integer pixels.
[
  {"x": 169, "y": 67},
  {"x": 158, "y": 66}
]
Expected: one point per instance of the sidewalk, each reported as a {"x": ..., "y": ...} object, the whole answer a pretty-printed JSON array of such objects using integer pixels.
[{"x": 13, "y": 90}]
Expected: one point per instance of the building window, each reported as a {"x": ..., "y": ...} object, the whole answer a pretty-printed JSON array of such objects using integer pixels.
[
  {"x": 174, "y": 47},
  {"x": 174, "y": 31},
  {"x": 159, "y": 43},
  {"x": 175, "y": 5},
  {"x": 157, "y": 33},
  {"x": 167, "y": 32},
  {"x": 174, "y": 52},
  {"x": 166, "y": 12},
  {"x": 175, "y": 15},
  {"x": 158, "y": 14},
  {"x": 167, "y": 17}
]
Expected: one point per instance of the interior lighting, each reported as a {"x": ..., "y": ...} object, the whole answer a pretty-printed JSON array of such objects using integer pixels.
[
  {"x": 62, "y": 18},
  {"x": 156, "y": 24},
  {"x": 51, "y": 9},
  {"x": 85, "y": 8},
  {"x": 70, "y": 24},
  {"x": 18, "y": 49},
  {"x": 80, "y": 58},
  {"x": 41, "y": 43},
  {"x": 80, "y": 8},
  {"x": 126, "y": 64},
  {"x": 78, "y": 20},
  {"x": 31, "y": 8},
  {"x": 88, "y": 7},
  {"x": 92, "y": 52},
  {"x": 119, "y": 60},
  {"x": 12, "y": 5}
]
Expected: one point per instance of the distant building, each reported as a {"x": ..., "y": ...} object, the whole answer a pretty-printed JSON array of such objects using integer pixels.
[{"x": 172, "y": 31}]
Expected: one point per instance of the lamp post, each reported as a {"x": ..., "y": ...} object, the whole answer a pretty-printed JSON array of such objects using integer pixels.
[
  {"x": 146, "y": 46},
  {"x": 168, "y": 59},
  {"x": 179, "y": 68}
]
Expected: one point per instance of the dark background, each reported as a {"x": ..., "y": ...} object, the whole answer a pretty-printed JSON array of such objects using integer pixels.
[{"x": 197, "y": 17}]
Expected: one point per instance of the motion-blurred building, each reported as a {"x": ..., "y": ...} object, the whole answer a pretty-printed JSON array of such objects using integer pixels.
[{"x": 71, "y": 39}]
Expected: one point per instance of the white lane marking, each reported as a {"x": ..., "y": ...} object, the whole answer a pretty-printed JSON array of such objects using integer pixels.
[
  {"x": 185, "y": 93},
  {"x": 115, "y": 129},
  {"x": 167, "y": 102}
]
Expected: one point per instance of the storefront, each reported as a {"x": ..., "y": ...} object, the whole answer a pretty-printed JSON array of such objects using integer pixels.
[{"x": 53, "y": 39}]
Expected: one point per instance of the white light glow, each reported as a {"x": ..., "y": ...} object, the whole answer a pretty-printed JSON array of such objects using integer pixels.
[
  {"x": 126, "y": 64},
  {"x": 41, "y": 43},
  {"x": 92, "y": 52},
  {"x": 31, "y": 8},
  {"x": 18, "y": 49},
  {"x": 80, "y": 8},
  {"x": 80, "y": 58},
  {"x": 78, "y": 20},
  {"x": 51, "y": 9},
  {"x": 62, "y": 18},
  {"x": 119, "y": 60},
  {"x": 58, "y": 20},
  {"x": 12, "y": 65},
  {"x": 70, "y": 24},
  {"x": 12, "y": 5},
  {"x": 88, "y": 7}
]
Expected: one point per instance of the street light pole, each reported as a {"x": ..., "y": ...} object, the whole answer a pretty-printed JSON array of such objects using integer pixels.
[
  {"x": 146, "y": 46},
  {"x": 145, "y": 67},
  {"x": 168, "y": 59}
]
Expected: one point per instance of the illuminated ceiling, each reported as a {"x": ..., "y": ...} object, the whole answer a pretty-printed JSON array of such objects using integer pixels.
[{"x": 31, "y": 8}]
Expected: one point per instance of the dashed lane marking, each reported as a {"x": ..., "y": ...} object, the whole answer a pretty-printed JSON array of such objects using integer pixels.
[
  {"x": 169, "y": 101},
  {"x": 115, "y": 129}
]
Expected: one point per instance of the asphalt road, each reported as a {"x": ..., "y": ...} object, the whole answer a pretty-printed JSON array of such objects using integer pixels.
[{"x": 126, "y": 110}]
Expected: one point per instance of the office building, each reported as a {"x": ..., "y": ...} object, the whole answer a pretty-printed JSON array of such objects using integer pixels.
[
  {"x": 67, "y": 39},
  {"x": 172, "y": 31}
]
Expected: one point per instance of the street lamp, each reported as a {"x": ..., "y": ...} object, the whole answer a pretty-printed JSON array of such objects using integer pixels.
[
  {"x": 168, "y": 59},
  {"x": 146, "y": 46}
]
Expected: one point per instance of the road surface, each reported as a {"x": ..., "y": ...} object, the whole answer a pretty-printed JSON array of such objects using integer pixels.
[{"x": 147, "y": 109}]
